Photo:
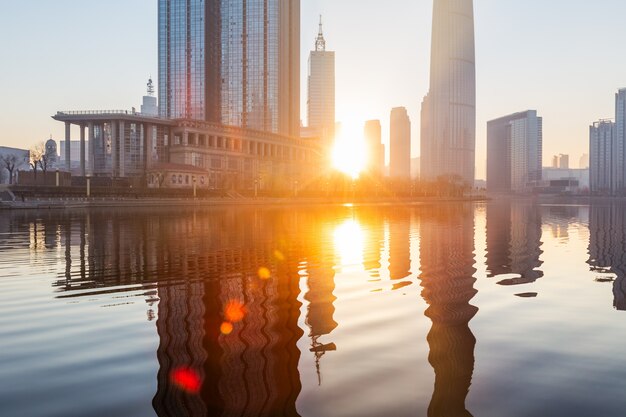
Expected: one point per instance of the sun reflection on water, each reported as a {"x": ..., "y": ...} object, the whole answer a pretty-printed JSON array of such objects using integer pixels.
[{"x": 348, "y": 239}]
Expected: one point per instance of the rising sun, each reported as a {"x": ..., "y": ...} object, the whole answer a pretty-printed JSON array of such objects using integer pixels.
[{"x": 349, "y": 153}]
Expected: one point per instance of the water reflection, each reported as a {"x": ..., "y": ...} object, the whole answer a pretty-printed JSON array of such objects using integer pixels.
[
  {"x": 447, "y": 269},
  {"x": 607, "y": 248},
  {"x": 514, "y": 242}
]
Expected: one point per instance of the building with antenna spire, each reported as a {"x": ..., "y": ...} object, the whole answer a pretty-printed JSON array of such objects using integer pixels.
[
  {"x": 321, "y": 88},
  {"x": 149, "y": 106}
]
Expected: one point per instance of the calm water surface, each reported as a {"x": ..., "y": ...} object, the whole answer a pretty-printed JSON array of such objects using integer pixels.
[{"x": 500, "y": 309}]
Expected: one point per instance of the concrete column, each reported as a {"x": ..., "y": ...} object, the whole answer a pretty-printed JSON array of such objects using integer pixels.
[
  {"x": 149, "y": 144},
  {"x": 114, "y": 149},
  {"x": 83, "y": 171},
  {"x": 92, "y": 154},
  {"x": 68, "y": 146},
  {"x": 122, "y": 149}
]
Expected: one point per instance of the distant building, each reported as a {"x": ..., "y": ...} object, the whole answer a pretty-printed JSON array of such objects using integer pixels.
[
  {"x": 448, "y": 138},
  {"x": 555, "y": 161},
  {"x": 149, "y": 106},
  {"x": 375, "y": 148},
  {"x": 563, "y": 161},
  {"x": 566, "y": 180},
  {"x": 400, "y": 144},
  {"x": 584, "y": 161},
  {"x": 601, "y": 142},
  {"x": 514, "y": 152},
  {"x": 415, "y": 168},
  {"x": 321, "y": 90},
  {"x": 619, "y": 144}
]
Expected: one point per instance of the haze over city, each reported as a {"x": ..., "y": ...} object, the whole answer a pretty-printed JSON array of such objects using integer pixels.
[{"x": 560, "y": 58}]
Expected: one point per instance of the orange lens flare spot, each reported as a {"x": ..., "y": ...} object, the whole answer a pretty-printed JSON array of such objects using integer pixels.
[
  {"x": 264, "y": 273},
  {"x": 226, "y": 328},
  {"x": 234, "y": 312},
  {"x": 187, "y": 380},
  {"x": 279, "y": 255}
]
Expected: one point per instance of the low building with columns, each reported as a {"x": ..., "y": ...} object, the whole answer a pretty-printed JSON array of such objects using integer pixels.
[{"x": 122, "y": 144}]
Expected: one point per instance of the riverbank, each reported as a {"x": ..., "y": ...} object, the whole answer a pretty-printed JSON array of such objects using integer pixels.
[{"x": 97, "y": 202}]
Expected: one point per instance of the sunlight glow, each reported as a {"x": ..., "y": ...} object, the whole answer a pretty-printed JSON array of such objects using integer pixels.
[
  {"x": 349, "y": 153},
  {"x": 348, "y": 239}
]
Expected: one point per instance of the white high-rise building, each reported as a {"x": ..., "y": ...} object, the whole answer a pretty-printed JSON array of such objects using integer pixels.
[
  {"x": 448, "y": 139},
  {"x": 514, "y": 152},
  {"x": 601, "y": 138},
  {"x": 321, "y": 89}
]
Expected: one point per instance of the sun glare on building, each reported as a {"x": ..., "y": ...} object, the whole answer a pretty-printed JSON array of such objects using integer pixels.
[{"x": 349, "y": 153}]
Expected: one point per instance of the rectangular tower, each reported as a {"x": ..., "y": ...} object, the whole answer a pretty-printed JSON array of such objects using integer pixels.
[
  {"x": 321, "y": 89},
  {"x": 375, "y": 149},
  {"x": 619, "y": 144},
  {"x": 448, "y": 142},
  {"x": 514, "y": 152},
  {"x": 190, "y": 59},
  {"x": 400, "y": 144},
  {"x": 601, "y": 138}
]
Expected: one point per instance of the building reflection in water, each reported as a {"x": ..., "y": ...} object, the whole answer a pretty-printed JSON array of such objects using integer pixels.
[
  {"x": 447, "y": 269},
  {"x": 321, "y": 285},
  {"x": 607, "y": 248},
  {"x": 400, "y": 246},
  {"x": 514, "y": 242}
]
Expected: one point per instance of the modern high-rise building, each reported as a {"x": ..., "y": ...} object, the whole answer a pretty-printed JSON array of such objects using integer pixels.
[
  {"x": 190, "y": 57},
  {"x": 619, "y": 144},
  {"x": 448, "y": 131},
  {"x": 514, "y": 152},
  {"x": 321, "y": 89},
  {"x": 400, "y": 144},
  {"x": 583, "y": 162},
  {"x": 231, "y": 61},
  {"x": 375, "y": 149},
  {"x": 601, "y": 138}
]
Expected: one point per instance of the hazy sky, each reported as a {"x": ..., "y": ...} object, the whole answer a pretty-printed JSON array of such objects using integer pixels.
[{"x": 564, "y": 58}]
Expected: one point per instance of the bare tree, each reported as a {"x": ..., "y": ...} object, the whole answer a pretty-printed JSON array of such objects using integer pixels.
[
  {"x": 37, "y": 154},
  {"x": 10, "y": 162}
]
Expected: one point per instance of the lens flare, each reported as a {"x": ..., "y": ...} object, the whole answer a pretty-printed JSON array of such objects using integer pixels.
[
  {"x": 226, "y": 328},
  {"x": 264, "y": 273},
  {"x": 234, "y": 312},
  {"x": 186, "y": 379}
]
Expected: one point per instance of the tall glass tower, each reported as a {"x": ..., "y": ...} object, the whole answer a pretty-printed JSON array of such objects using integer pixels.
[
  {"x": 448, "y": 143},
  {"x": 231, "y": 61},
  {"x": 190, "y": 59}
]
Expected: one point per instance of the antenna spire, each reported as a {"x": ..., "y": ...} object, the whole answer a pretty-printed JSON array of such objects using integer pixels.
[
  {"x": 320, "y": 42},
  {"x": 150, "y": 87}
]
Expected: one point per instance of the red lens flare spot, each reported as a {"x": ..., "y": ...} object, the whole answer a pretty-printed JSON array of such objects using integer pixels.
[
  {"x": 186, "y": 379},
  {"x": 234, "y": 312},
  {"x": 264, "y": 273},
  {"x": 226, "y": 328}
]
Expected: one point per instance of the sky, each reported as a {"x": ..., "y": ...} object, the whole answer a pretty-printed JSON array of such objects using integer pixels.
[{"x": 563, "y": 58}]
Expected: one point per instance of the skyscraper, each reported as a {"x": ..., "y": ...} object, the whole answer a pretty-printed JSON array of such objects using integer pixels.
[
  {"x": 601, "y": 138},
  {"x": 619, "y": 144},
  {"x": 375, "y": 149},
  {"x": 448, "y": 134},
  {"x": 234, "y": 61},
  {"x": 321, "y": 88},
  {"x": 190, "y": 59},
  {"x": 514, "y": 152},
  {"x": 400, "y": 144}
]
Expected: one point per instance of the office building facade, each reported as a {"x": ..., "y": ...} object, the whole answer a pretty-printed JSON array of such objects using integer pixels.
[
  {"x": 448, "y": 131},
  {"x": 514, "y": 152},
  {"x": 231, "y": 61},
  {"x": 400, "y": 144}
]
